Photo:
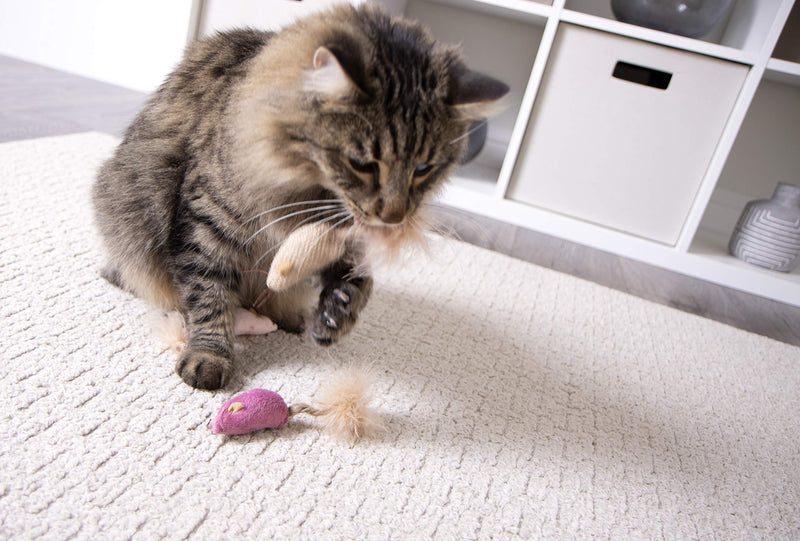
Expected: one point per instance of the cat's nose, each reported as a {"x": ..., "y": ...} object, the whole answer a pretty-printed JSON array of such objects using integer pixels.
[{"x": 391, "y": 212}]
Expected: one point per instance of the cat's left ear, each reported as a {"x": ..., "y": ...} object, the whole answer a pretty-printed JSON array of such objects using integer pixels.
[
  {"x": 474, "y": 95},
  {"x": 327, "y": 76}
]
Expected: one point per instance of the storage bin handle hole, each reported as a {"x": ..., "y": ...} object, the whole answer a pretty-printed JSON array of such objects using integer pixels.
[{"x": 642, "y": 75}]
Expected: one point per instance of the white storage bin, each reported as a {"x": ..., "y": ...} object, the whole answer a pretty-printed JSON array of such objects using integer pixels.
[{"x": 622, "y": 131}]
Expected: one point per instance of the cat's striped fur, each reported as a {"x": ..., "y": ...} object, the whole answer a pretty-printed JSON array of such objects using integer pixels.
[{"x": 348, "y": 117}]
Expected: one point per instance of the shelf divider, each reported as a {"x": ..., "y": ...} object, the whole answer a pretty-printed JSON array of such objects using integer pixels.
[
  {"x": 528, "y": 99},
  {"x": 783, "y": 71}
]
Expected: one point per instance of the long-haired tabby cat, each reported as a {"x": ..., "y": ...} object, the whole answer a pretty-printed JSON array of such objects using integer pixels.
[{"x": 349, "y": 117}]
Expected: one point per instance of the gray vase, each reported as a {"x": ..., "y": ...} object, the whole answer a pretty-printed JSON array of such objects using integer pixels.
[
  {"x": 768, "y": 231},
  {"x": 477, "y": 138},
  {"x": 692, "y": 18}
]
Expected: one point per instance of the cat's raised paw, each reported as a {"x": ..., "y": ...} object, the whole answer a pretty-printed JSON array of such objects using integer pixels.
[
  {"x": 336, "y": 313},
  {"x": 203, "y": 369}
]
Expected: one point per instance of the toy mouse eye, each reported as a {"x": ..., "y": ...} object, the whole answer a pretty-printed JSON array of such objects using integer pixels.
[{"x": 422, "y": 170}]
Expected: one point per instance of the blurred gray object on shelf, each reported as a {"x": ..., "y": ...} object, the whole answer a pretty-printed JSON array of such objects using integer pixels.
[
  {"x": 477, "y": 138},
  {"x": 691, "y": 18}
]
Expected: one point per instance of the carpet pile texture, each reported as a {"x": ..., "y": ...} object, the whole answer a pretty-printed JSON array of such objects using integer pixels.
[{"x": 518, "y": 402}]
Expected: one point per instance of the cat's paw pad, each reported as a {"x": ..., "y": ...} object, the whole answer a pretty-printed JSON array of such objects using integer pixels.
[
  {"x": 203, "y": 369},
  {"x": 336, "y": 313}
]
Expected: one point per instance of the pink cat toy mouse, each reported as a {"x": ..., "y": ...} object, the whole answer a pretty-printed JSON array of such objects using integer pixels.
[
  {"x": 343, "y": 409},
  {"x": 250, "y": 411}
]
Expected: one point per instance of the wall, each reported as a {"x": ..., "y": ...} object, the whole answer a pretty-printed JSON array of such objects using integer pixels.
[
  {"x": 129, "y": 43},
  {"x": 263, "y": 14}
]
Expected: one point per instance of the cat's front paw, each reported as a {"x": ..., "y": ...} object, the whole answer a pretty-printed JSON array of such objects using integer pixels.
[
  {"x": 203, "y": 369},
  {"x": 336, "y": 313}
]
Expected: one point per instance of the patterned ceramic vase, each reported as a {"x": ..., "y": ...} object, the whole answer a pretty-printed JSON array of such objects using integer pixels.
[{"x": 768, "y": 231}]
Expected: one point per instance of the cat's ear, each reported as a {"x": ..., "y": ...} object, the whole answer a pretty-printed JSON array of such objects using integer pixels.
[
  {"x": 474, "y": 95},
  {"x": 327, "y": 76}
]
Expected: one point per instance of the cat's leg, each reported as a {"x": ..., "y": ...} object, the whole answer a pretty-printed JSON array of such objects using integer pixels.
[
  {"x": 208, "y": 309},
  {"x": 342, "y": 298},
  {"x": 145, "y": 280}
]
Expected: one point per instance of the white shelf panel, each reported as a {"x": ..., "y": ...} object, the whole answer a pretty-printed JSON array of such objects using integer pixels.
[
  {"x": 783, "y": 71},
  {"x": 523, "y": 10},
  {"x": 474, "y": 184},
  {"x": 709, "y": 253},
  {"x": 661, "y": 38},
  {"x": 707, "y": 260}
]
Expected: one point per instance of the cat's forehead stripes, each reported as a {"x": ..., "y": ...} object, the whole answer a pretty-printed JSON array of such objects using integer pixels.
[
  {"x": 407, "y": 140},
  {"x": 376, "y": 149}
]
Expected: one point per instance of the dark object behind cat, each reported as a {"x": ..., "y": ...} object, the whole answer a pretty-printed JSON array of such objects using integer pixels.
[{"x": 348, "y": 117}]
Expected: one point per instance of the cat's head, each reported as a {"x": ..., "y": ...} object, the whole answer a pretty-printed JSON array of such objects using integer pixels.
[{"x": 381, "y": 109}]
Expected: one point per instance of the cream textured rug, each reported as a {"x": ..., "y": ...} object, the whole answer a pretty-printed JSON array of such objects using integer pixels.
[{"x": 519, "y": 403}]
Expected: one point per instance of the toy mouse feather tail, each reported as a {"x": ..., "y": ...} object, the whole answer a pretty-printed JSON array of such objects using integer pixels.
[{"x": 343, "y": 407}]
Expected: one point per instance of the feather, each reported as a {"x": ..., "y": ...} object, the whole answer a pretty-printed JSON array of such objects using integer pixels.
[{"x": 343, "y": 406}]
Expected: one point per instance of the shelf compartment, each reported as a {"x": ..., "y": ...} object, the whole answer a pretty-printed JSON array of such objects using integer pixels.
[
  {"x": 765, "y": 152},
  {"x": 495, "y": 42},
  {"x": 788, "y": 46},
  {"x": 738, "y": 37},
  {"x": 481, "y": 173},
  {"x": 784, "y": 66},
  {"x": 616, "y": 150}
]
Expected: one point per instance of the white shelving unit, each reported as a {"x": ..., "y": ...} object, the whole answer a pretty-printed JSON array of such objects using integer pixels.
[{"x": 757, "y": 146}]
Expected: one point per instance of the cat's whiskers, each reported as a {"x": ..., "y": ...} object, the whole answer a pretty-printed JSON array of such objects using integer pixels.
[
  {"x": 430, "y": 223},
  {"x": 292, "y": 215},
  {"x": 342, "y": 213},
  {"x": 338, "y": 214},
  {"x": 264, "y": 295},
  {"x": 474, "y": 128},
  {"x": 290, "y": 205},
  {"x": 419, "y": 224},
  {"x": 464, "y": 220}
]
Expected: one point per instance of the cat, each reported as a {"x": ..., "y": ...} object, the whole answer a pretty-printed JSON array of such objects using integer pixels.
[{"x": 349, "y": 117}]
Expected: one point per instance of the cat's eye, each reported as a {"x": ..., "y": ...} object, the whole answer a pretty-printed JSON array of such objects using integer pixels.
[
  {"x": 422, "y": 170},
  {"x": 368, "y": 171},
  {"x": 368, "y": 167}
]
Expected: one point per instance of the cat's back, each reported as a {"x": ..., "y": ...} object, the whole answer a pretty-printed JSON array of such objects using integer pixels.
[
  {"x": 216, "y": 59},
  {"x": 137, "y": 190},
  {"x": 201, "y": 84}
]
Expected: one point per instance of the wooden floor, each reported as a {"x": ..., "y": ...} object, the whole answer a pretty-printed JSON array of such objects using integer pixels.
[{"x": 37, "y": 101}]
